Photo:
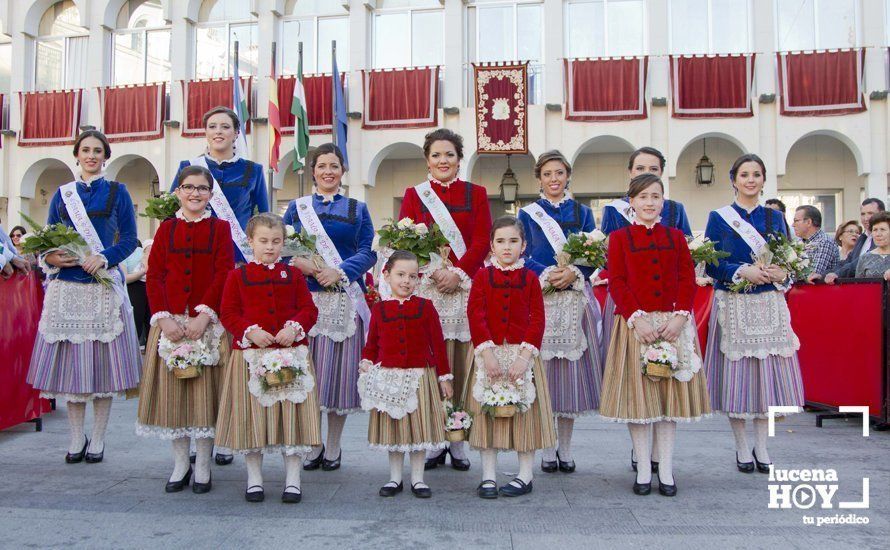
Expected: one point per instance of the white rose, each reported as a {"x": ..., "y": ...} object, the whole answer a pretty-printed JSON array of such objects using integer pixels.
[
  {"x": 697, "y": 242},
  {"x": 792, "y": 255},
  {"x": 597, "y": 235},
  {"x": 421, "y": 229},
  {"x": 290, "y": 231},
  {"x": 405, "y": 223}
]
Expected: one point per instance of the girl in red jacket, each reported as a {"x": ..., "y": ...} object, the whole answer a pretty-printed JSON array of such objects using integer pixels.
[
  {"x": 506, "y": 312},
  {"x": 652, "y": 280},
  {"x": 191, "y": 256},
  {"x": 404, "y": 357},
  {"x": 269, "y": 403}
]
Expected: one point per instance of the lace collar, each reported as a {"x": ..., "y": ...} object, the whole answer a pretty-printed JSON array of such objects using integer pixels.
[
  {"x": 742, "y": 208},
  {"x": 566, "y": 197},
  {"x": 88, "y": 181},
  {"x": 218, "y": 162},
  {"x": 518, "y": 264},
  {"x": 394, "y": 298},
  {"x": 325, "y": 199},
  {"x": 635, "y": 221},
  {"x": 267, "y": 266},
  {"x": 181, "y": 216},
  {"x": 445, "y": 184}
]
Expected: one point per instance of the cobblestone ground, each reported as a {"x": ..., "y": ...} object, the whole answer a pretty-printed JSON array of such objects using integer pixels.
[{"x": 121, "y": 503}]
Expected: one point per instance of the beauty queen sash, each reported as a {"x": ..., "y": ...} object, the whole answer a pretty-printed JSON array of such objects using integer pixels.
[
  {"x": 326, "y": 248},
  {"x": 745, "y": 230},
  {"x": 443, "y": 218},
  {"x": 223, "y": 209},
  {"x": 548, "y": 225},
  {"x": 623, "y": 208}
]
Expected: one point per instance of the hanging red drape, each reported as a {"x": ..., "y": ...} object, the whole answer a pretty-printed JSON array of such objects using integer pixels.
[
  {"x": 400, "y": 99},
  {"x": 19, "y": 317},
  {"x": 501, "y": 93},
  {"x": 133, "y": 113},
  {"x": 318, "y": 103},
  {"x": 605, "y": 90},
  {"x": 821, "y": 83},
  {"x": 49, "y": 118},
  {"x": 712, "y": 86},
  {"x": 199, "y": 96}
]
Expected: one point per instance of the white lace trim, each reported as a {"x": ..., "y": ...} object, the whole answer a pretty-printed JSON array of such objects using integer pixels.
[
  {"x": 446, "y": 377},
  {"x": 340, "y": 412},
  {"x": 288, "y": 450},
  {"x": 755, "y": 325},
  {"x": 81, "y": 397},
  {"x": 525, "y": 345},
  {"x": 169, "y": 434},
  {"x": 207, "y": 310},
  {"x": 410, "y": 448},
  {"x": 78, "y": 312},
  {"x": 336, "y": 316},
  {"x": 518, "y": 264},
  {"x": 299, "y": 333},
  {"x": 758, "y": 416},
  {"x": 632, "y": 319},
  {"x": 657, "y": 419},
  {"x": 158, "y": 316},
  {"x": 578, "y": 414},
  {"x": 344, "y": 279},
  {"x": 488, "y": 344},
  {"x": 444, "y": 184},
  {"x": 505, "y": 355},
  {"x": 566, "y": 197},
  {"x": 181, "y": 216},
  {"x": 270, "y": 267},
  {"x": 245, "y": 341},
  {"x": 683, "y": 313},
  {"x": 390, "y": 390},
  {"x": 564, "y": 336},
  {"x": 296, "y": 391},
  {"x": 48, "y": 269},
  {"x": 452, "y": 308}
]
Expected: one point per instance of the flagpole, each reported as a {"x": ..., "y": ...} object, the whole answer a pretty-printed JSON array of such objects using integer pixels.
[
  {"x": 296, "y": 130},
  {"x": 272, "y": 207},
  {"x": 334, "y": 83}
]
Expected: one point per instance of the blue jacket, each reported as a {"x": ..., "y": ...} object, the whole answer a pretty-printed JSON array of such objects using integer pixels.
[
  {"x": 111, "y": 210},
  {"x": 348, "y": 223},
  {"x": 244, "y": 185},
  {"x": 765, "y": 220},
  {"x": 572, "y": 216},
  {"x": 672, "y": 215}
]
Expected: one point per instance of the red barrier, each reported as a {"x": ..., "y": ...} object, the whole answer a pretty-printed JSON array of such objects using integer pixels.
[
  {"x": 841, "y": 330},
  {"x": 19, "y": 316}
]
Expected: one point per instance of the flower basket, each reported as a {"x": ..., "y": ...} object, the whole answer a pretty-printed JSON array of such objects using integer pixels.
[
  {"x": 456, "y": 435},
  {"x": 503, "y": 411},
  {"x": 190, "y": 371},
  {"x": 280, "y": 378}
]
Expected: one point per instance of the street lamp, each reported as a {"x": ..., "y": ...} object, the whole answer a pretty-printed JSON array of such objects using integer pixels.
[
  {"x": 704, "y": 170},
  {"x": 509, "y": 185}
]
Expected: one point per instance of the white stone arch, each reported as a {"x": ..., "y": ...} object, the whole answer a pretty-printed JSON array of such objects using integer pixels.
[
  {"x": 855, "y": 149},
  {"x": 38, "y": 8},
  {"x": 401, "y": 149},
  {"x": 468, "y": 164},
  {"x": 116, "y": 164},
  {"x": 285, "y": 168},
  {"x": 673, "y": 159},
  {"x": 113, "y": 8},
  {"x": 606, "y": 143},
  {"x": 33, "y": 173},
  {"x": 193, "y": 8}
]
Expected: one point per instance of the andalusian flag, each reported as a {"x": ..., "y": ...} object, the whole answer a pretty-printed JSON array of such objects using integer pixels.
[
  {"x": 239, "y": 105},
  {"x": 274, "y": 124},
  {"x": 301, "y": 121}
]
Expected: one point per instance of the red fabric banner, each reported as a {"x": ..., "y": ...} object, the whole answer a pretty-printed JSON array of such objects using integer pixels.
[
  {"x": 501, "y": 108},
  {"x": 712, "y": 86},
  {"x": 318, "y": 103},
  {"x": 605, "y": 90},
  {"x": 199, "y": 96},
  {"x": 49, "y": 118},
  {"x": 19, "y": 317},
  {"x": 821, "y": 83},
  {"x": 133, "y": 113},
  {"x": 400, "y": 98},
  {"x": 840, "y": 354}
]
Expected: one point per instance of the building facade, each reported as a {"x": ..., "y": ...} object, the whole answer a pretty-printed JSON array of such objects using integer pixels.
[{"x": 833, "y": 162}]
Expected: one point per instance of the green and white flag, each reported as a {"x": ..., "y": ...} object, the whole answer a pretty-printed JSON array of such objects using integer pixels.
[{"x": 301, "y": 121}]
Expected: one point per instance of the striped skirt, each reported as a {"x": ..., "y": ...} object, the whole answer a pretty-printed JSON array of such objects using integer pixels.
[
  {"x": 608, "y": 324},
  {"x": 460, "y": 357},
  {"x": 245, "y": 426},
  {"x": 523, "y": 432},
  {"x": 748, "y": 387},
  {"x": 630, "y": 397},
  {"x": 171, "y": 408},
  {"x": 575, "y": 386},
  {"x": 90, "y": 370},
  {"x": 421, "y": 430},
  {"x": 336, "y": 367}
]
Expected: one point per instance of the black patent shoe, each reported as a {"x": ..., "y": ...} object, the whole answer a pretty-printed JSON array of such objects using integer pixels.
[
  {"x": 510, "y": 490},
  {"x": 223, "y": 459},
  {"x": 459, "y": 464},
  {"x": 434, "y": 462},
  {"x": 177, "y": 486},
  {"x": 487, "y": 489},
  {"x": 762, "y": 467},
  {"x": 633, "y": 463},
  {"x": 744, "y": 467},
  {"x": 74, "y": 458},
  {"x": 202, "y": 488},
  {"x": 391, "y": 489},
  {"x": 315, "y": 463},
  {"x": 421, "y": 492},
  {"x": 548, "y": 466},
  {"x": 667, "y": 490},
  {"x": 642, "y": 489},
  {"x": 95, "y": 458},
  {"x": 291, "y": 497},
  {"x": 255, "y": 496},
  {"x": 331, "y": 465},
  {"x": 565, "y": 467}
]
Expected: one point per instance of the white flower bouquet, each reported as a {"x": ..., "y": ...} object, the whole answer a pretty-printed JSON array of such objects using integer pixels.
[
  {"x": 783, "y": 252},
  {"x": 417, "y": 238},
  {"x": 584, "y": 249},
  {"x": 659, "y": 359},
  {"x": 279, "y": 367},
  {"x": 503, "y": 398}
]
